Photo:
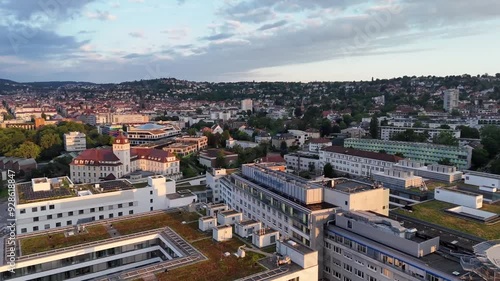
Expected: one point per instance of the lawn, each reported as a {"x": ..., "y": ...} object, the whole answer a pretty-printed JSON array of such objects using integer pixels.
[
  {"x": 42, "y": 243},
  {"x": 172, "y": 220},
  {"x": 434, "y": 212},
  {"x": 491, "y": 208},
  {"x": 217, "y": 267}
]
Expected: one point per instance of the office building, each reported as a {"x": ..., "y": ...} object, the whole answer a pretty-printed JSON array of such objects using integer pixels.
[
  {"x": 450, "y": 99},
  {"x": 75, "y": 141},
  {"x": 393, "y": 178},
  {"x": 152, "y": 133},
  {"x": 45, "y": 204},
  {"x": 388, "y": 132},
  {"x": 301, "y": 161},
  {"x": 315, "y": 145},
  {"x": 356, "y": 162},
  {"x": 422, "y": 152},
  {"x": 365, "y": 246},
  {"x": 444, "y": 173},
  {"x": 201, "y": 142}
]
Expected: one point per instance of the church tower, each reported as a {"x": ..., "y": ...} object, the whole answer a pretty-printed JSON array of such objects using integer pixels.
[{"x": 121, "y": 148}]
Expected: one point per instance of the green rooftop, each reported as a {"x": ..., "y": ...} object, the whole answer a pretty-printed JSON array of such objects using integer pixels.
[{"x": 435, "y": 212}]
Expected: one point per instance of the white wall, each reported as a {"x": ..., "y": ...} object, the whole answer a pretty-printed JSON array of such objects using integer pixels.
[
  {"x": 458, "y": 198},
  {"x": 481, "y": 181},
  {"x": 223, "y": 234},
  {"x": 376, "y": 200}
]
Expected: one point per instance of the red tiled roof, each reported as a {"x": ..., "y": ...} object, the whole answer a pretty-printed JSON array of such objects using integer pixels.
[
  {"x": 120, "y": 139},
  {"x": 94, "y": 157},
  {"x": 157, "y": 155},
  {"x": 362, "y": 153}
]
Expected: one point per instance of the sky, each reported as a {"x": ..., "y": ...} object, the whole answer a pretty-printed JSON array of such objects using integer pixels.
[{"x": 244, "y": 40}]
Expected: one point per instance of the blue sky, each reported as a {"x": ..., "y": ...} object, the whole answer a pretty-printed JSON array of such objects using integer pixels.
[{"x": 236, "y": 40}]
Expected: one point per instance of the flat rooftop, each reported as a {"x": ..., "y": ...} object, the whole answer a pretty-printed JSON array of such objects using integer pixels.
[
  {"x": 455, "y": 189},
  {"x": 206, "y": 218},
  {"x": 350, "y": 186},
  {"x": 434, "y": 212},
  {"x": 229, "y": 213},
  {"x": 480, "y": 174},
  {"x": 248, "y": 222},
  {"x": 63, "y": 190}
]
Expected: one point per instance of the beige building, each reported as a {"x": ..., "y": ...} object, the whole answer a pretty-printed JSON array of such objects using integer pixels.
[
  {"x": 75, "y": 141},
  {"x": 182, "y": 149},
  {"x": 201, "y": 142}
]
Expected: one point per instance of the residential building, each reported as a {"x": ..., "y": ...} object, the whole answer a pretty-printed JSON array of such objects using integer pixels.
[
  {"x": 451, "y": 98},
  {"x": 313, "y": 133},
  {"x": 18, "y": 165},
  {"x": 301, "y": 137},
  {"x": 356, "y": 162},
  {"x": 246, "y": 104},
  {"x": 128, "y": 119},
  {"x": 201, "y": 141},
  {"x": 213, "y": 177},
  {"x": 448, "y": 174},
  {"x": 365, "y": 246},
  {"x": 208, "y": 157},
  {"x": 316, "y": 144},
  {"x": 388, "y": 132},
  {"x": 354, "y": 132},
  {"x": 152, "y": 133},
  {"x": 51, "y": 203},
  {"x": 93, "y": 165},
  {"x": 301, "y": 161},
  {"x": 181, "y": 149},
  {"x": 422, "y": 152},
  {"x": 289, "y": 139},
  {"x": 263, "y": 137},
  {"x": 75, "y": 141},
  {"x": 230, "y": 143}
]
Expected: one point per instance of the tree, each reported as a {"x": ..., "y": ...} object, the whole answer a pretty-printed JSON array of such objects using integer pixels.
[
  {"x": 455, "y": 113},
  {"x": 199, "y": 111},
  {"x": 224, "y": 137},
  {"x": 192, "y": 132},
  {"x": 342, "y": 125},
  {"x": 444, "y": 126},
  {"x": 298, "y": 112},
  {"x": 495, "y": 167},
  {"x": 311, "y": 167},
  {"x": 328, "y": 171},
  {"x": 220, "y": 161},
  {"x": 326, "y": 128},
  {"x": 347, "y": 119},
  {"x": 374, "y": 127},
  {"x": 468, "y": 132},
  {"x": 27, "y": 150},
  {"x": 490, "y": 139},
  {"x": 445, "y": 138},
  {"x": 399, "y": 154},
  {"x": 479, "y": 157}
]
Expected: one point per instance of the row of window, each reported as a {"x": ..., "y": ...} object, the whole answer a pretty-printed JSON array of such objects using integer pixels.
[{"x": 71, "y": 213}]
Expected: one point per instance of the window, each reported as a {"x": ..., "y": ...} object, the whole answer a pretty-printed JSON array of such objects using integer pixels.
[
  {"x": 120, "y": 205},
  {"x": 386, "y": 272},
  {"x": 150, "y": 200},
  {"x": 58, "y": 224},
  {"x": 110, "y": 215},
  {"x": 372, "y": 267},
  {"x": 43, "y": 208},
  {"x": 35, "y": 228},
  {"x": 347, "y": 256},
  {"x": 336, "y": 275},
  {"x": 328, "y": 245},
  {"x": 359, "y": 273},
  {"x": 49, "y": 217},
  {"x": 22, "y": 211},
  {"x": 347, "y": 267},
  {"x": 68, "y": 222},
  {"x": 101, "y": 209},
  {"x": 362, "y": 248},
  {"x": 151, "y": 192},
  {"x": 92, "y": 210},
  {"x": 131, "y": 212},
  {"x": 347, "y": 279},
  {"x": 35, "y": 219},
  {"x": 131, "y": 204},
  {"x": 24, "y": 230},
  {"x": 120, "y": 214},
  {"x": 101, "y": 217},
  {"x": 349, "y": 224},
  {"x": 34, "y": 209},
  {"x": 59, "y": 215},
  {"x": 328, "y": 269},
  {"x": 47, "y": 226},
  {"x": 51, "y": 207},
  {"x": 337, "y": 249},
  {"x": 336, "y": 262},
  {"x": 371, "y": 278},
  {"x": 80, "y": 212},
  {"x": 70, "y": 213}
]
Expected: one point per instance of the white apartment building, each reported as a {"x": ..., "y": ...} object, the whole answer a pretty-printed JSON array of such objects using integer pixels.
[
  {"x": 75, "y": 141},
  {"x": 394, "y": 178},
  {"x": 303, "y": 162},
  {"x": 356, "y": 162},
  {"x": 300, "y": 136},
  {"x": 213, "y": 177},
  {"x": 45, "y": 204},
  {"x": 438, "y": 172},
  {"x": 246, "y": 104},
  {"x": 364, "y": 246},
  {"x": 316, "y": 144},
  {"x": 297, "y": 208},
  {"x": 387, "y": 132},
  {"x": 451, "y": 98}
]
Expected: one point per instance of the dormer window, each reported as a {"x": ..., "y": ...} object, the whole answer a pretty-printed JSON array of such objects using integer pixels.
[{"x": 117, "y": 141}]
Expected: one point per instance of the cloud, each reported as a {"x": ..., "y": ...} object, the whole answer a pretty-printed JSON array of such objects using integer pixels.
[
  {"x": 30, "y": 10},
  {"x": 218, "y": 36},
  {"x": 136, "y": 1},
  {"x": 137, "y": 34},
  {"x": 272, "y": 25},
  {"x": 86, "y": 31},
  {"x": 101, "y": 15},
  {"x": 176, "y": 33}
]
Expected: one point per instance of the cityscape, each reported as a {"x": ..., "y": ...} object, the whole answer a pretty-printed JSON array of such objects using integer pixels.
[{"x": 190, "y": 140}]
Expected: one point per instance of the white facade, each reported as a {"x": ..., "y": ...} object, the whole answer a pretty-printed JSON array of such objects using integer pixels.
[
  {"x": 93, "y": 204},
  {"x": 265, "y": 237},
  {"x": 387, "y": 132},
  {"x": 75, "y": 141},
  {"x": 214, "y": 209},
  {"x": 246, "y": 228},
  {"x": 213, "y": 177},
  {"x": 450, "y": 99},
  {"x": 229, "y": 217},
  {"x": 300, "y": 136},
  {"x": 438, "y": 172},
  {"x": 394, "y": 178},
  {"x": 352, "y": 164},
  {"x": 317, "y": 145},
  {"x": 458, "y": 197},
  {"x": 222, "y": 233},
  {"x": 230, "y": 143},
  {"x": 246, "y": 104},
  {"x": 482, "y": 179},
  {"x": 207, "y": 223},
  {"x": 303, "y": 162}
]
